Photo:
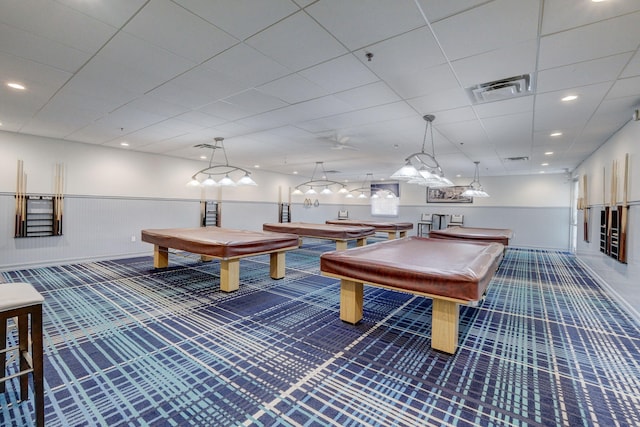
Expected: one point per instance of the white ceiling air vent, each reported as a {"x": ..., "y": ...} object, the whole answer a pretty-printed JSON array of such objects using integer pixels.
[
  {"x": 501, "y": 89},
  {"x": 517, "y": 159}
]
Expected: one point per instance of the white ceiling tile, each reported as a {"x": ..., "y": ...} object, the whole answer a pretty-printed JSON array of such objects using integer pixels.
[
  {"x": 223, "y": 110},
  {"x": 171, "y": 27},
  {"x": 590, "y": 42},
  {"x": 112, "y": 12},
  {"x": 253, "y": 101},
  {"x": 52, "y": 20},
  {"x": 508, "y": 106},
  {"x": 513, "y": 60},
  {"x": 516, "y": 129},
  {"x": 551, "y": 113},
  {"x": 240, "y": 18},
  {"x": 368, "y": 96},
  {"x": 201, "y": 118},
  {"x": 241, "y": 62},
  {"x": 560, "y": 15},
  {"x": 417, "y": 82},
  {"x": 340, "y": 74},
  {"x": 293, "y": 89},
  {"x": 310, "y": 46},
  {"x": 455, "y": 115},
  {"x": 138, "y": 56},
  {"x": 485, "y": 28},
  {"x": 23, "y": 44},
  {"x": 129, "y": 119},
  {"x": 441, "y": 100},
  {"x": 352, "y": 119},
  {"x": 199, "y": 86},
  {"x": 582, "y": 73},
  {"x": 155, "y": 105},
  {"x": 436, "y": 10},
  {"x": 404, "y": 54},
  {"x": 382, "y": 19},
  {"x": 467, "y": 133},
  {"x": 633, "y": 68}
]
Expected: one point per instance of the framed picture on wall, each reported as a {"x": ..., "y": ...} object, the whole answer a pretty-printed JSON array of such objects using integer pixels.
[{"x": 448, "y": 195}]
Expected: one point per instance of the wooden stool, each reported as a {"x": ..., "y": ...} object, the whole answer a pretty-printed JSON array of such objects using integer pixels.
[{"x": 21, "y": 300}]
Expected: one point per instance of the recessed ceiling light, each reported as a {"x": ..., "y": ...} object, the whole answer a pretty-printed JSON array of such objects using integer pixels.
[
  {"x": 556, "y": 134},
  {"x": 548, "y": 153},
  {"x": 256, "y": 166},
  {"x": 295, "y": 172},
  {"x": 544, "y": 164},
  {"x": 541, "y": 171},
  {"x": 124, "y": 144},
  {"x": 203, "y": 157},
  {"x": 570, "y": 98},
  {"x": 15, "y": 85}
]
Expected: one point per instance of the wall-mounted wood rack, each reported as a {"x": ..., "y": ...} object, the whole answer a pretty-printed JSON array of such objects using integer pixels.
[{"x": 38, "y": 215}]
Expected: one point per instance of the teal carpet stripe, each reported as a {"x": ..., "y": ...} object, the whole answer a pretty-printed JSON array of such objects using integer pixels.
[{"x": 128, "y": 345}]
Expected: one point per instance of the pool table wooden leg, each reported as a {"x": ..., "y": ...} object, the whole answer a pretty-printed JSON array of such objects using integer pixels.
[
  {"x": 392, "y": 235},
  {"x": 351, "y": 296},
  {"x": 160, "y": 256},
  {"x": 341, "y": 245},
  {"x": 206, "y": 258},
  {"x": 277, "y": 265},
  {"x": 229, "y": 275},
  {"x": 444, "y": 326},
  {"x": 361, "y": 242},
  {"x": 403, "y": 233}
]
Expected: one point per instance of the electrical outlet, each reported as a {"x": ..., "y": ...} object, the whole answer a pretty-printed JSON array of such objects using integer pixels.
[{"x": 133, "y": 238}]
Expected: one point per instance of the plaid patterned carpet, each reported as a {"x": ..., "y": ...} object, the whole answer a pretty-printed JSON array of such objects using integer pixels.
[{"x": 128, "y": 345}]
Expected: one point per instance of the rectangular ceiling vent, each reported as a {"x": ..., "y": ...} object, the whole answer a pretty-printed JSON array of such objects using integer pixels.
[
  {"x": 502, "y": 89},
  {"x": 517, "y": 159}
]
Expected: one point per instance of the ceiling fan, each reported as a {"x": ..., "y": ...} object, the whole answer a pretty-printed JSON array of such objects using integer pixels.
[{"x": 339, "y": 142}]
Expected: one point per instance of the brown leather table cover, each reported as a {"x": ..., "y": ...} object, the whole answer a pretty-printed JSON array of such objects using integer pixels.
[
  {"x": 325, "y": 231},
  {"x": 498, "y": 235},
  {"x": 451, "y": 269},
  {"x": 219, "y": 242},
  {"x": 378, "y": 225}
]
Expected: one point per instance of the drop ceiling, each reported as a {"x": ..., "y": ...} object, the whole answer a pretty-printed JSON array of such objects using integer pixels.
[{"x": 282, "y": 81}]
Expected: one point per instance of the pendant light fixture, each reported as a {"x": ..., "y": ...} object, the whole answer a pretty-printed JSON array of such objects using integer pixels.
[
  {"x": 422, "y": 168},
  {"x": 322, "y": 182},
  {"x": 221, "y": 169},
  {"x": 475, "y": 188}
]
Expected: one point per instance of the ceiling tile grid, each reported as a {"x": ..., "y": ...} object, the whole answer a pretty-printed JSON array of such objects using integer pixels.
[{"x": 276, "y": 77}]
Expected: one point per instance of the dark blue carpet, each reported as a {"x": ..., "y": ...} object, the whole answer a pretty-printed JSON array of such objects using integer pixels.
[{"x": 128, "y": 345}]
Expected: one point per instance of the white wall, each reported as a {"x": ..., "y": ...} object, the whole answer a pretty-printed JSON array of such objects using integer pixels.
[
  {"x": 623, "y": 278},
  {"x": 112, "y": 193}
]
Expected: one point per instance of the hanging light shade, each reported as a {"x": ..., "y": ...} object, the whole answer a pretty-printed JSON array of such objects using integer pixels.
[
  {"x": 475, "y": 188},
  {"x": 220, "y": 169},
  {"x": 226, "y": 182},
  {"x": 311, "y": 191},
  {"x": 326, "y": 190},
  {"x": 246, "y": 180},
  {"x": 406, "y": 172},
  {"x": 427, "y": 170},
  {"x": 209, "y": 182},
  {"x": 193, "y": 182}
]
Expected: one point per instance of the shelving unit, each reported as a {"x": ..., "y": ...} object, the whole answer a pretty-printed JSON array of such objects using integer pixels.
[
  {"x": 38, "y": 217},
  {"x": 210, "y": 214},
  {"x": 604, "y": 215}
]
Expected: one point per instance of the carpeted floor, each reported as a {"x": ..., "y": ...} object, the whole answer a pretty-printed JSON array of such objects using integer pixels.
[{"x": 128, "y": 345}]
